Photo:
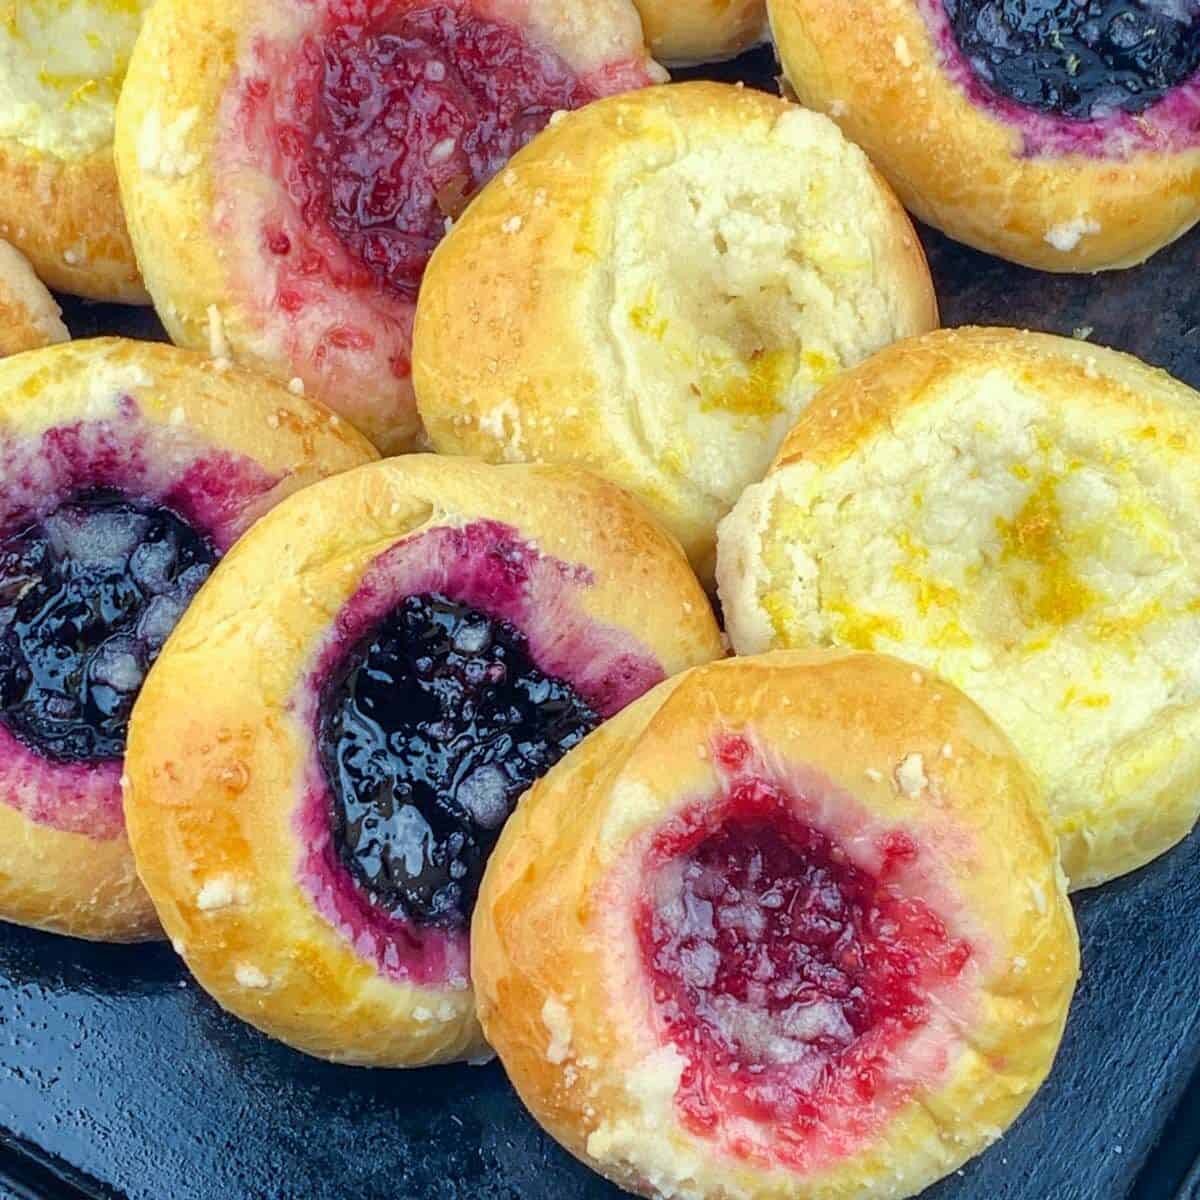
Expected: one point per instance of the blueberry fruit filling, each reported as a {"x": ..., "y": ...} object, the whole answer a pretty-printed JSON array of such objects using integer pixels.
[
  {"x": 414, "y": 112},
  {"x": 88, "y": 596},
  {"x": 429, "y": 733},
  {"x": 1080, "y": 58}
]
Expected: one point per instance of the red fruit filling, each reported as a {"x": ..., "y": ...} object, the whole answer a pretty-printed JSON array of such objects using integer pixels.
[
  {"x": 400, "y": 117},
  {"x": 787, "y": 976}
]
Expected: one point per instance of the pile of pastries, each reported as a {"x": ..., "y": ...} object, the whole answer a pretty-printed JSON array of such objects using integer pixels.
[{"x": 365, "y": 642}]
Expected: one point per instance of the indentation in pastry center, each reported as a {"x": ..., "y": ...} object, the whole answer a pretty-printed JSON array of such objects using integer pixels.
[
  {"x": 1080, "y": 60},
  {"x": 413, "y": 113},
  {"x": 781, "y": 970},
  {"x": 738, "y": 288},
  {"x": 88, "y": 596},
  {"x": 428, "y": 736}
]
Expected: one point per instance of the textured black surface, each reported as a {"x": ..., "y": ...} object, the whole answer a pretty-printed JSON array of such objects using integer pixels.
[
  {"x": 113, "y": 1062},
  {"x": 120, "y": 1079}
]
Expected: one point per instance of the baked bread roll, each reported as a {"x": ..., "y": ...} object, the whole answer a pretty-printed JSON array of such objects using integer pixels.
[
  {"x": 1021, "y": 514},
  {"x": 788, "y": 926},
  {"x": 61, "y": 67},
  {"x": 288, "y": 168},
  {"x": 375, "y": 675},
  {"x": 687, "y": 32},
  {"x": 656, "y": 287},
  {"x": 1061, "y": 135},
  {"x": 126, "y": 470},
  {"x": 29, "y": 317}
]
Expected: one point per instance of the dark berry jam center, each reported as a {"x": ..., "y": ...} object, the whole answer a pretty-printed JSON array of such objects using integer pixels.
[
  {"x": 88, "y": 596},
  {"x": 1080, "y": 58},
  {"x": 428, "y": 736},
  {"x": 414, "y": 112},
  {"x": 780, "y": 969}
]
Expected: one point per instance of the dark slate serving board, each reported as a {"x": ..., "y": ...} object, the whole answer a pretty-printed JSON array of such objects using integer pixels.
[{"x": 120, "y": 1080}]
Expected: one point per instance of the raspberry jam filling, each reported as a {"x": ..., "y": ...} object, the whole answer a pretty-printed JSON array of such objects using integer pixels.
[
  {"x": 787, "y": 976},
  {"x": 428, "y": 736},
  {"x": 1079, "y": 60},
  {"x": 88, "y": 596},
  {"x": 408, "y": 114}
]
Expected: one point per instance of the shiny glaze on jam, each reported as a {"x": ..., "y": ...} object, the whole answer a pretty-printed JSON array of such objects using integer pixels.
[
  {"x": 1079, "y": 59},
  {"x": 429, "y": 734},
  {"x": 88, "y": 595}
]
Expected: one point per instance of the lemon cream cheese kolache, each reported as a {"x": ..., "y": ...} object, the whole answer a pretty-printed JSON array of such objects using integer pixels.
[
  {"x": 655, "y": 288},
  {"x": 1021, "y": 514}
]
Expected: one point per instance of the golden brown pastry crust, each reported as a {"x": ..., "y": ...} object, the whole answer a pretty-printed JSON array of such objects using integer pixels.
[
  {"x": 1028, "y": 509},
  {"x": 65, "y": 217},
  {"x": 684, "y": 32},
  {"x": 873, "y": 66},
  {"x": 568, "y": 1016},
  {"x": 29, "y": 317},
  {"x": 208, "y": 284},
  {"x": 70, "y": 882},
  {"x": 215, "y": 785},
  {"x": 572, "y": 315}
]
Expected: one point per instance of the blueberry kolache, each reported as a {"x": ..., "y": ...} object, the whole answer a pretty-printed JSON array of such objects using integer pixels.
[
  {"x": 62, "y": 63},
  {"x": 1018, "y": 513},
  {"x": 1065, "y": 136},
  {"x": 402, "y": 653},
  {"x": 288, "y": 184},
  {"x": 791, "y": 925},
  {"x": 126, "y": 471}
]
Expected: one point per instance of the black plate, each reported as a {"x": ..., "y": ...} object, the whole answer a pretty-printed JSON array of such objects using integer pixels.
[{"x": 120, "y": 1079}]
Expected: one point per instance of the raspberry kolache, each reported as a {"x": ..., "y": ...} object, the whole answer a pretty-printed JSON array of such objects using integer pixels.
[
  {"x": 288, "y": 168},
  {"x": 126, "y": 470},
  {"x": 1061, "y": 135},
  {"x": 1021, "y": 514},
  {"x": 61, "y": 67},
  {"x": 656, "y": 287},
  {"x": 375, "y": 675},
  {"x": 788, "y": 926},
  {"x": 687, "y": 32}
]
